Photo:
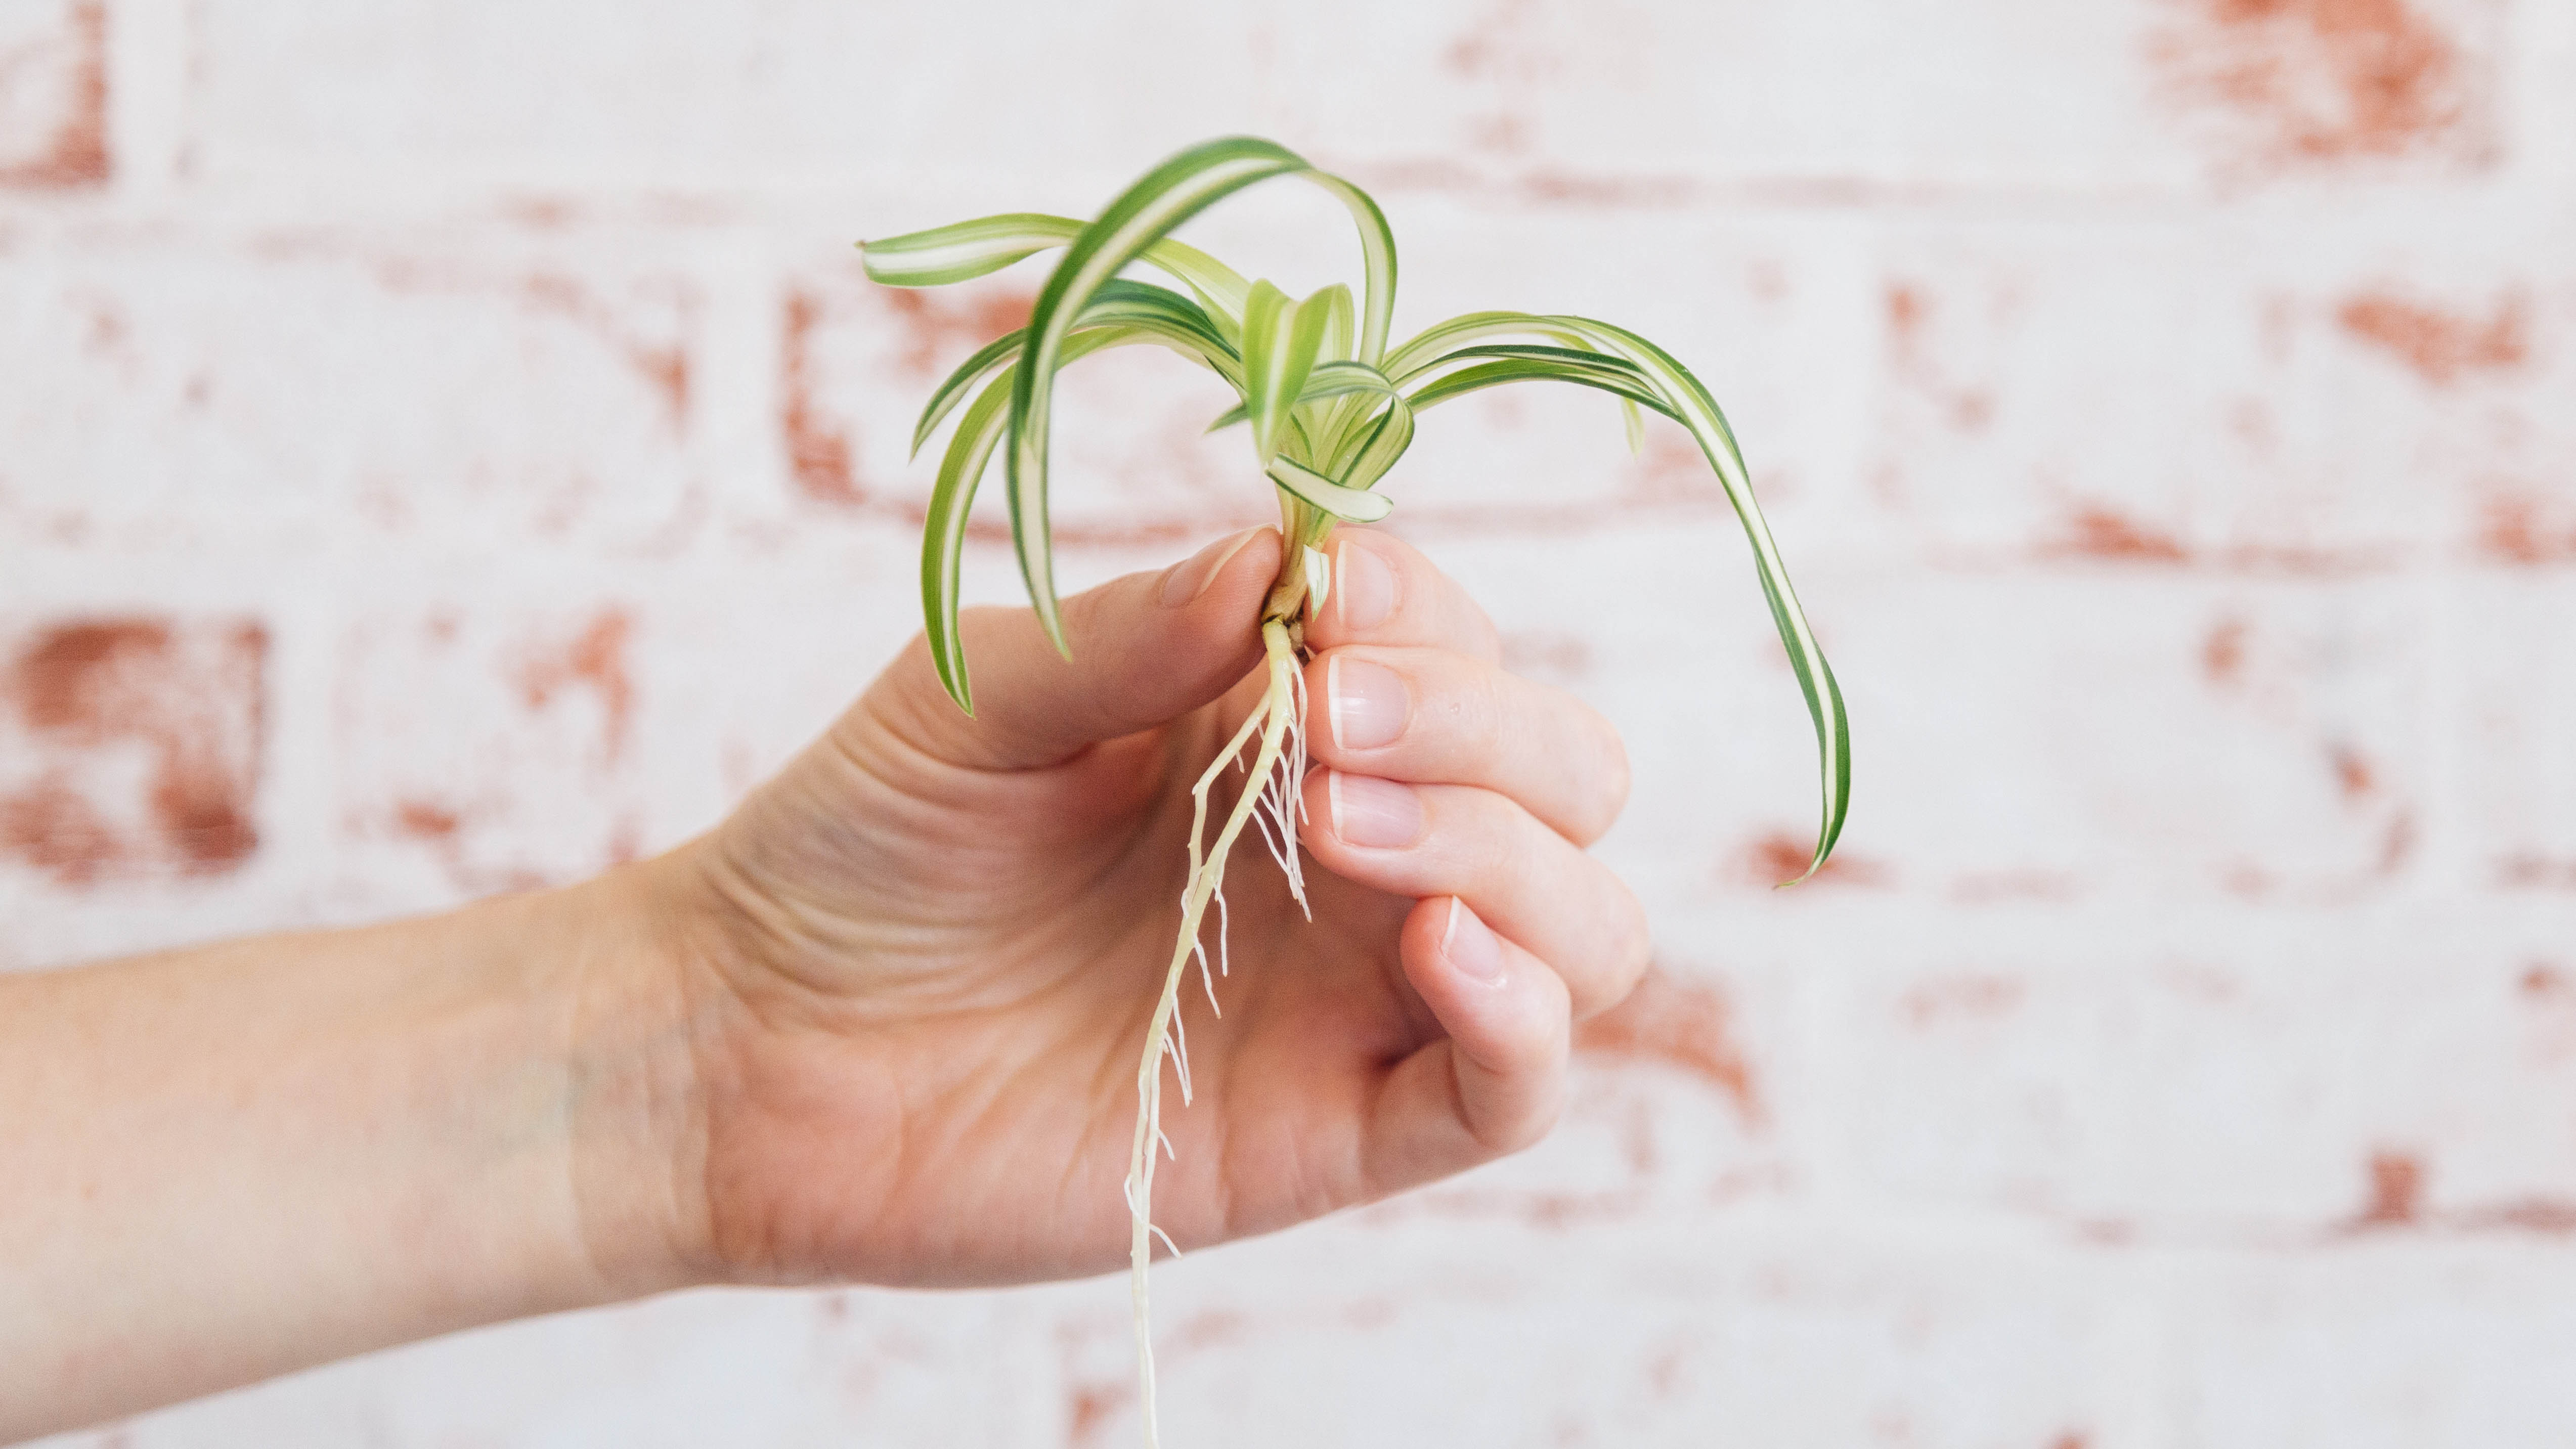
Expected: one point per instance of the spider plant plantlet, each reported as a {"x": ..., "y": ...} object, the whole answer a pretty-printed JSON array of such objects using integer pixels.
[{"x": 1331, "y": 403}]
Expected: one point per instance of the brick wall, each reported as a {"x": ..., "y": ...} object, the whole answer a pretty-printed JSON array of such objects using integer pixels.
[{"x": 449, "y": 446}]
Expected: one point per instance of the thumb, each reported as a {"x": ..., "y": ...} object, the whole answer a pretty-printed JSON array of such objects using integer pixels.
[{"x": 1145, "y": 648}]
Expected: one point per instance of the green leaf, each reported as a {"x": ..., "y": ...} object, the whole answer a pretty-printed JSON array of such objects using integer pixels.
[
  {"x": 1328, "y": 380},
  {"x": 1161, "y": 200},
  {"x": 1377, "y": 261},
  {"x": 1663, "y": 384},
  {"x": 943, "y": 534},
  {"x": 1426, "y": 345},
  {"x": 1179, "y": 322},
  {"x": 964, "y": 250},
  {"x": 1265, "y": 338},
  {"x": 1385, "y": 443},
  {"x": 1583, "y": 356},
  {"x": 1337, "y": 324},
  {"x": 1220, "y": 288},
  {"x": 1333, "y": 379},
  {"x": 1628, "y": 388},
  {"x": 1350, "y": 504},
  {"x": 1689, "y": 400},
  {"x": 961, "y": 469},
  {"x": 1280, "y": 345},
  {"x": 969, "y": 249},
  {"x": 991, "y": 355}
]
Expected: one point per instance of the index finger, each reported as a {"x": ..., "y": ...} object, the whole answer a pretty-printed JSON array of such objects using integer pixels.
[{"x": 1385, "y": 592}]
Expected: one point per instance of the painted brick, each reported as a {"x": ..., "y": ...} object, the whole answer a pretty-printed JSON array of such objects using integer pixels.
[
  {"x": 794, "y": 1370},
  {"x": 1129, "y": 465},
  {"x": 2378, "y": 88},
  {"x": 2517, "y": 711},
  {"x": 2274, "y": 1080},
  {"x": 2252, "y": 395},
  {"x": 130, "y": 748},
  {"x": 515, "y": 781},
  {"x": 53, "y": 95},
  {"x": 1558, "y": 102},
  {"x": 2043, "y": 734},
  {"x": 2383, "y": 1346},
  {"x": 1756, "y": 308},
  {"x": 466, "y": 435},
  {"x": 677, "y": 93},
  {"x": 1548, "y": 102},
  {"x": 293, "y": 391},
  {"x": 1720, "y": 1332}
]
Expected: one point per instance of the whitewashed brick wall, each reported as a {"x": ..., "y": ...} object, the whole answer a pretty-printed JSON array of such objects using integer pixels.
[{"x": 449, "y": 445}]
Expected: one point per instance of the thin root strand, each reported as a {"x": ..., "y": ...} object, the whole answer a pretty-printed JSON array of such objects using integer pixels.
[{"x": 1271, "y": 796}]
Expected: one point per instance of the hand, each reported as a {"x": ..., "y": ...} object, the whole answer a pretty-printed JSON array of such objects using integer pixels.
[{"x": 922, "y": 959}]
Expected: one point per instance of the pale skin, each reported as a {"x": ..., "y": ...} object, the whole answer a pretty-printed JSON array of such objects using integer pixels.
[{"x": 880, "y": 1026}]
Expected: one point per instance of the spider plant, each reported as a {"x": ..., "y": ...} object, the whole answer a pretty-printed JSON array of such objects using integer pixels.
[{"x": 1331, "y": 404}]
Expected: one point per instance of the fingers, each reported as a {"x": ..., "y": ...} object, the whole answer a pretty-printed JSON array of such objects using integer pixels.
[
  {"x": 1433, "y": 716},
  {"x": 1145, "y": 648},
  {"x": 1494, "y": 1083},
  {"x": 1529, "y": 883},
  {"x": 1385, "y": 593}
]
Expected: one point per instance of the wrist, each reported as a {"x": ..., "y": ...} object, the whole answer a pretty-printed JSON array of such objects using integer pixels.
[{"x": 635, "y": 1112}]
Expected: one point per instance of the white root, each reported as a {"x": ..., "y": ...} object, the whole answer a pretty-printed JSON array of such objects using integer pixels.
[{"x": 1276, "y": 774}]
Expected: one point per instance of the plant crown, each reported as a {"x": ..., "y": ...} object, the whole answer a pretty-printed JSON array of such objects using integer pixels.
[{"x": 1330, "y": 404}]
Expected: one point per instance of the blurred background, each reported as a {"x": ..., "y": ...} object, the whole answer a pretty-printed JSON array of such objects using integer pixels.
[{"x": 450, "y": 447}]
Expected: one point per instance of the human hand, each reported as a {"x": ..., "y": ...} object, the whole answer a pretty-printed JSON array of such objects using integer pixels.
[{"x": 917, "y": 966}]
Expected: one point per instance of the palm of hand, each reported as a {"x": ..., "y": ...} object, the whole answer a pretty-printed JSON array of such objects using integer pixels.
[{"x": 918, "y": 1061}]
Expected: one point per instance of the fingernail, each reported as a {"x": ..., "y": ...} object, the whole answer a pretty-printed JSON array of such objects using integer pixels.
[
  {"x": 1470, "y": 947},
  {"x": 1190, "y": 577},
  {"x": 1367, "y": 703},
  {"x": 1372, "y": 813},
  {"x": 1363, "y": 587}
]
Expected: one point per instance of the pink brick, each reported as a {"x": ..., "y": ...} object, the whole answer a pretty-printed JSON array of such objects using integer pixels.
[
  {"x": 2265, "y": 396},
  {"x": 2379, "y": 1348},
  {"x": 1559, "y": 103},
  {"x": 463, "y": 436},
  {"x": 787, "y": 1369},
  {"x": 1714, "y": 1330},
  {"x": 2265, "y": 1081},
  {"x": 528, "y": 733},
  {"x": 2031, "y": 736},
  {"x": 2516, "y": 714},
  {"x": 1759, "y": 309},
  {"x": 526, "y": 772},
  {"x": 1545, "y": 102},
  {"x": 131, "y": 748},
  {"x": 2392, "y": 88},
  {"x": 673, "y": 92},
  {"x": 346, "y": 388},
  {"x": 1129, "y": 467},
  {"x": 53, "y": 95}
]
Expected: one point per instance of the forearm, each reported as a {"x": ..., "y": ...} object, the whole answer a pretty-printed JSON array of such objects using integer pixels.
[{"x": 221, "y": 1164}]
